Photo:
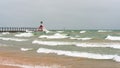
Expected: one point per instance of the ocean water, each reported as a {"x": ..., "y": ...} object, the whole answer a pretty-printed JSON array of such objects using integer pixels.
[{"x": 93, "y": 44}]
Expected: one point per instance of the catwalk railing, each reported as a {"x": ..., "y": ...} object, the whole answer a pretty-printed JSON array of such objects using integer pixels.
[{"x": 17, "y": 29}]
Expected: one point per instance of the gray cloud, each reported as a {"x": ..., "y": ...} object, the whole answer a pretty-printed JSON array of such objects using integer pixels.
[{"x": 59, "y": 14}]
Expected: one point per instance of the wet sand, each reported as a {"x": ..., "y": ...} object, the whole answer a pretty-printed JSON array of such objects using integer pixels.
[{"x": 10, "y": 59}]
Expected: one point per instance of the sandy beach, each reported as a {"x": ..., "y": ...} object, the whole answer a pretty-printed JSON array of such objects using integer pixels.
[{"x": 10, "y": 59}]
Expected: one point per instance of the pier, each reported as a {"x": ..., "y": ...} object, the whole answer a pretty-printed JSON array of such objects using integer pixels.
[{"x": 17, "y": 29}]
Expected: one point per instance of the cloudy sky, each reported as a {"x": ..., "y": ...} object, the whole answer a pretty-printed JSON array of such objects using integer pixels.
[{"x": 60, "y": 14}]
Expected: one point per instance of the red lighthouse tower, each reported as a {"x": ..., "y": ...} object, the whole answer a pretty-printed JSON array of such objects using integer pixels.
[{"x": 41, "y": 27}]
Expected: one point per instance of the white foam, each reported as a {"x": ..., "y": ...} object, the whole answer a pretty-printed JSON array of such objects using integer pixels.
[
  {"x": 55, "y": 36},
  {"x": 12, "y": 39},
  {"x": 52, "y": 43},
  {"x": 104, "y": 45},
  {"x": 4, "y": 33},
  {"x": 79, "y": 54},
  {"x": 82, "y": 31},
  {"x": 113, "y": 37},
  {"x": 60, "y": 31},
  {"x": 25, "y": 49},
  {"x": 81, "y": 38},
  {"x": 55, "y": 43},
  {"x": 24, "y": 35},
  {"x": 104, "y": 31},
  {"x": 116, "y": 58}
]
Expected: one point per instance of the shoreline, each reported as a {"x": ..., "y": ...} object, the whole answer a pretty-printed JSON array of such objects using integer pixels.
[{"x": 9, "y": 59}]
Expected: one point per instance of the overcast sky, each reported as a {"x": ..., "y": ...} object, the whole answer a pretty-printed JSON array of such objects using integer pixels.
[{"x": 60, "y": 14}]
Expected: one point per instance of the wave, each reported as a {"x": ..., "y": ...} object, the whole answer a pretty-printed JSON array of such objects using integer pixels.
[
  {"x": 52, "y": 43},
  {"x": 60, "y": 31},
  {"x": 82, "y": 31},
  {"x": 55, "y": 36},
  {"x": 103, "y": 45},
  {"x": 4, "y": 33},
  {"x": 24, "y": 35},
  {"x": 25, "y": 49},
  {"x": 12, "y": 39},
  {"x": 113, "y": 38},
  {"x": 81, "y": 38},
  {"x": 104, "y": 31},
  {"x": 80, "y": 54},
  {"x": 56, "y": 43}
]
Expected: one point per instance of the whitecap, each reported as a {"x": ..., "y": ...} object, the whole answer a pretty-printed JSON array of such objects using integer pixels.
[
  {"x": 25, "y": 49},
  {"x": 12, "y": 39},
  {"x": 52, "y": 43},
  {"x": 103, "y": 45},
  {"x": 24, "y": 35},
  {"x": 60, "y": 31},
  {"x": 55, "y": 43},
  {"x": 4, "y": 33},
  {"x": 117, "y": 58},
  {"x": 81, "y": 38},
  {"x": 104, "y": 31},
  {"x": 79, "y": 54},
  {"x": 82, "y": 31},
  {"x": 55, "y": 36},
  {"x": 113, "y": 38}
]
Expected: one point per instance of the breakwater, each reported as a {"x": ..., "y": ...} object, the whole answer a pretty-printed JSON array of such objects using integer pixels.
[{"x": 17, "y": 29}]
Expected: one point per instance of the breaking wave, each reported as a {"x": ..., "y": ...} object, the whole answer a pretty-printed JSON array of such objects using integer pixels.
[
  {"x": 104, "y": 31},
  {"x": 55, "y": 43},
  {"x": 80, "y": 54},
  {"x": 25, "y": 49},
  {"x": 12, "y": 39},
  {"x": 81, "y": 38},
  {"x": 51, "y": 43},
  {"x": 55, "y": 36},
  {"x": 113, "y": 38},
  {"x": 4, "y": 33},
  {"x": 60, "y": 31},
  {"x": 82, "y": 31},
  {"x": 103, "y": 45},
  {"x": 24, "y": 35}
]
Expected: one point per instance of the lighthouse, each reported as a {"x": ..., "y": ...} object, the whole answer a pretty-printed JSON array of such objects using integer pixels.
[{"x": 41, "y": 27}]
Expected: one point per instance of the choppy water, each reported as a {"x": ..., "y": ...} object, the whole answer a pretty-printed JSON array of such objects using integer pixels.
[{"x": 93, "y": 44}]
